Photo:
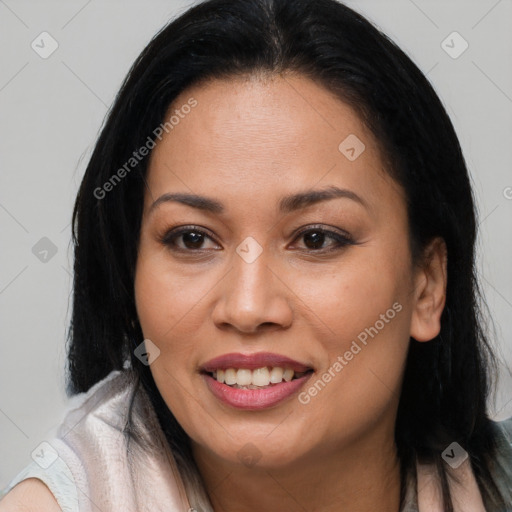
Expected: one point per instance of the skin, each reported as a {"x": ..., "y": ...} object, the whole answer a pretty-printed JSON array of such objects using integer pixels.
[
  {"x": 29, "y": 495},
  {"x": 247, "y": 143}
]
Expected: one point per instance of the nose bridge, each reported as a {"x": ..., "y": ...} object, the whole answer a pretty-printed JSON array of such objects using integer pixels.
[
  {"x": 251, "y": 295},
  {"x": 251, "y": 272}
]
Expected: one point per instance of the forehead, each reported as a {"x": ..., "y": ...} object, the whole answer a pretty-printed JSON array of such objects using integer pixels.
[{"x": 264, "y": 137}]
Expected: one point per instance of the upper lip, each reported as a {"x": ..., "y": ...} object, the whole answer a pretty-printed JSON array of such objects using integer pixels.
[{"x": 253, "y": 361}]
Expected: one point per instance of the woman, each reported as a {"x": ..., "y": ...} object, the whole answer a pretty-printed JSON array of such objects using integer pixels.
[{"x": 275, "y": 302}]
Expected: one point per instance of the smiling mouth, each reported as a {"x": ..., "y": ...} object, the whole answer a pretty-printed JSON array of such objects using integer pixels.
[{"x": 259, "y": 378}]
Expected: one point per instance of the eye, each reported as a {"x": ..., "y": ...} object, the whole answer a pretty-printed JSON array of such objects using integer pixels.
[
  {"x": 315, "y": 236},
  {"x": 191, "y": 237}
]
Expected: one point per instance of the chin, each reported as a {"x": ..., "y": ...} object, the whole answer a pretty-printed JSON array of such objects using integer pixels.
[{"x": 262, "y": 452}]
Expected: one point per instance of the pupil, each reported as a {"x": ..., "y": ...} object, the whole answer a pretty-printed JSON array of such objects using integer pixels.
[
  {"x": 316, "y": 238},
  {"x": 192, "y": 238}
]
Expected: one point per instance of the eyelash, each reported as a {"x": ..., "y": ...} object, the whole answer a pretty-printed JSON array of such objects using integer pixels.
[{"x": 341, "y": 241}]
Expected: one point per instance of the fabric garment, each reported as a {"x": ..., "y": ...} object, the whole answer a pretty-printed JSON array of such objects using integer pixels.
[{"x": 88, "y": 467}]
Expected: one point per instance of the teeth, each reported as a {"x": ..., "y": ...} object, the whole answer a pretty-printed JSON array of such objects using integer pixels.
[
  {"x": 230, "y": 376},
  {"x": 261, "y": 377},
  {"x": 244, "y": 377},
  {"x": 276, "y": 375},
  {"x": 288, "y": 375}
]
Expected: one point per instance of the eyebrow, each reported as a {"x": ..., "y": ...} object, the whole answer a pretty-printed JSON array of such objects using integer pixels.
[{"x": 287, "y": 204}]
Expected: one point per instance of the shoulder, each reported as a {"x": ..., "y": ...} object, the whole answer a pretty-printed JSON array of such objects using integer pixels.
[
  {"x": 41, "y": 487},
  {"x": 109, "y": 394},
  {"x": 30, "y": 495}
]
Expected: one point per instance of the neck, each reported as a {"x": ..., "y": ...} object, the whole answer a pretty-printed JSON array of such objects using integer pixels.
[{"x": 362, "y": 477}]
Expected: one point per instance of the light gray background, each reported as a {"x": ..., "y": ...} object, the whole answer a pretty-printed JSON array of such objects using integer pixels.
[{"x": 50, "y": 114}]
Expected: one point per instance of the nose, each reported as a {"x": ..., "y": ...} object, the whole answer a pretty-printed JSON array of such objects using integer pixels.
[{"x": 253, "y": 297}]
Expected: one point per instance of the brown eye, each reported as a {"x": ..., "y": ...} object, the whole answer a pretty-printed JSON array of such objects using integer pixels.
[
  {"x": 191, "y": 238},
  {"x": 315, "y": 238}
]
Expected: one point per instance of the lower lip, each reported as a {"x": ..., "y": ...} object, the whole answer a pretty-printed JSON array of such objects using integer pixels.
[{"x": 254, "y": 399}]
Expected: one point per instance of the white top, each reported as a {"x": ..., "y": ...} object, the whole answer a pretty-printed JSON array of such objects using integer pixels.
[{"x": 88, "y": 467}]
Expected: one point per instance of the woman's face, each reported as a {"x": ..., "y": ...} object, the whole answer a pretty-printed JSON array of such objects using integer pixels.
[{"x": 261, "y": 274}]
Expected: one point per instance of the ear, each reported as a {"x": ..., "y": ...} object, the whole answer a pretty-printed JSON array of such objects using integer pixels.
[{"x": 430, "y": 292}]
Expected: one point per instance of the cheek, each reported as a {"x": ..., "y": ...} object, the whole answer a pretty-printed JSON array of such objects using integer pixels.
[
  {"x": 167, "y": 302},
  {"x": 162, "y": 307},
  {"x": 360, "y": 384},
  {"x": 364, "y": 303},
  {"x": 353, "y": 295}
]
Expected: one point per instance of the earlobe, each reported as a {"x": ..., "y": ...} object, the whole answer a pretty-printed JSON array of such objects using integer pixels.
[{"x": 430, "y": 292}]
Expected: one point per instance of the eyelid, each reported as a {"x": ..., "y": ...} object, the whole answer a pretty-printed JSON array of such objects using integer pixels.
[
  {"x": 175, "y": 232},
  {"x": 340, "y": 239},
  {"x": 324, "y": 228}
]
